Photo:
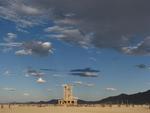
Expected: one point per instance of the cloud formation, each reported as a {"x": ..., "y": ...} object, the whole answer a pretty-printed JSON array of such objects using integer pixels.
[
  {"x": 39, "y": 48},
  {"x": 111, "y": 89},
  {"x": 87, "y": 72},
  {"x": 34, "y": 73},
  {"x": 142, "y": 66},
  {"x": 40, "y": 80},
  {"x": 35, "y": 48},
  {"x": 8, "y": 73},
  {"x": 9, "y": 42},
  {"x": 37, "y": 74},
  {"x": 22, "y": 13},
  {"x": 26, "y": 94},
  {"x": 10, "y": 37},
  {"x": 80, "y": 83},
  {"x": 102, "y": 23},
  {"x": 9, "y": 89},
  {"x": 142, "y": 48},
  {"x": 69, "y": 34},
  {"x": 114, "y": 24}
]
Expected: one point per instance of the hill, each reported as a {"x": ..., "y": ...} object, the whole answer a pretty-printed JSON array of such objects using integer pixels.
[{"x": 138, "y": 98}]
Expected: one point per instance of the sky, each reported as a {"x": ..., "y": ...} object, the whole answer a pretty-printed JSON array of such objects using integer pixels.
[{"x": 101, "y": 47}]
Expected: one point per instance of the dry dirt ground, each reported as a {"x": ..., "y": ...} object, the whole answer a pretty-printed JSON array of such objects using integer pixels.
[{"x": 58, "y": 109}]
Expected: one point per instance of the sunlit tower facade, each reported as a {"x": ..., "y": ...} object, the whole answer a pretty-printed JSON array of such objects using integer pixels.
[{"x": 68, "y": 98}]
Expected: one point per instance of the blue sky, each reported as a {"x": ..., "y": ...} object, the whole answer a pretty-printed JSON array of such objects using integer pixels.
[{"x": 44, "y": 45}]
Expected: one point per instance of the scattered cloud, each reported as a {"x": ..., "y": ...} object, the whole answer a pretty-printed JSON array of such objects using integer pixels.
[
  {"x": 142, "y": 66},
  {"x": 22, "y": 30},
  {"x": 9, "y": 89},
  {"x": 30, "y": 48},
  {"x": 12, "y": 44},
  {"x": 23, "y": 52},
  {"x": 49, "y": 90},
  {"x": 27, "y": 75},
  {"x": 93, "y": 59},
  {"x": 34, "y": 73},
  {"x": 69, "y": 34},
  {"x": 48, "y": 69},
  {"x": 114, "y": 24},
  {"x": 57, "y": 75},
  {"x": 80, "y": 83},
  {"x": 87, "y": 72},
  {"x": 142, "y": 48},
  {"x": 37, "y": 74},
  {"x": 8, "y": 73},
  {"x": 35, "y": 48},
  {"x": 111, "y": 89},
  {"x": 41, "y": 80},
  {"x": 10, "y": 37},
  {"x": 90, "y": 85},
  {"x": 22, "y": 13},
  {"x": 26, "y": 94},
  {"x": 9, "y": 45}
]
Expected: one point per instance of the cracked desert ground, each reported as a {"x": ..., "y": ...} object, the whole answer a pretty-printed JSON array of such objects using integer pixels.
[{"x": 56, "y": 109}]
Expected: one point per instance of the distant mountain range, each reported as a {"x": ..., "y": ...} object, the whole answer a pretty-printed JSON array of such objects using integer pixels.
[{"x": 138, "y": 98}]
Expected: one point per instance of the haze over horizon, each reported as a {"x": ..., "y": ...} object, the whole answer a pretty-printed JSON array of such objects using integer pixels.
[{"x": 102, "y": 47}]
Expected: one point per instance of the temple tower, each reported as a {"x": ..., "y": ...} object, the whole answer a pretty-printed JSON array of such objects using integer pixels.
[{"x": 68, "y": 98}]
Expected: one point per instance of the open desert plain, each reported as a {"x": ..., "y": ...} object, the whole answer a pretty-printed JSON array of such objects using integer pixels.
[{"x": 63, "y": 109}]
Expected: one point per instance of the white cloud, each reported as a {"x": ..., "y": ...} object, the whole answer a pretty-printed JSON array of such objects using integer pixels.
[
  {"x": 80, "y": 83},
  {"x": 26, "y": 94},
  {"x": 142, "y": 48},
  {"x": 9, "y": 89},
  {"x": 23, "y": 14},
  {"x": 69, "y": 34},
  {"x": 41, "y": 80},
  {"x": 55, "y": 29},
  {"x": 93, "y": 59},
  {"x": 49, "y": 90},
  {"x": 8, "y": 46},
  {"x": 10, "y": 37},
  {"x": 57, "y": 75},
  {"x": 26, "y": 75},
  {"x": 35, "y": 73},
  {"x": 11, "y": 44},
  {"x": 29, "y": 48},
  {"x": 21, "y": 30},
  {"x": 35, "y": 48},
  {"x": 28, "y": 10},
  {"x": 7, "y": 72},
  {"x": 111, "y": 89},
  {"x": 89, "y": 84},
  {"x": 23, "y": 52}
]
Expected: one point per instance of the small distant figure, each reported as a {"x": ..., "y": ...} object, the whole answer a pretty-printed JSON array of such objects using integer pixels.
[
  {"x": 9, "y": 106},
  {"x": 2, "y": 106},
  {"x": 119, "y": 105}
]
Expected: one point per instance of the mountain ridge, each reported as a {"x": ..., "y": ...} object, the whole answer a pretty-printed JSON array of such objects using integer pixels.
[{"x": 137, "y": 98}]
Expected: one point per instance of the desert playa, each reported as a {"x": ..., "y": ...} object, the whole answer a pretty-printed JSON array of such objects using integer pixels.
[{"x": 79, "y": 109}]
